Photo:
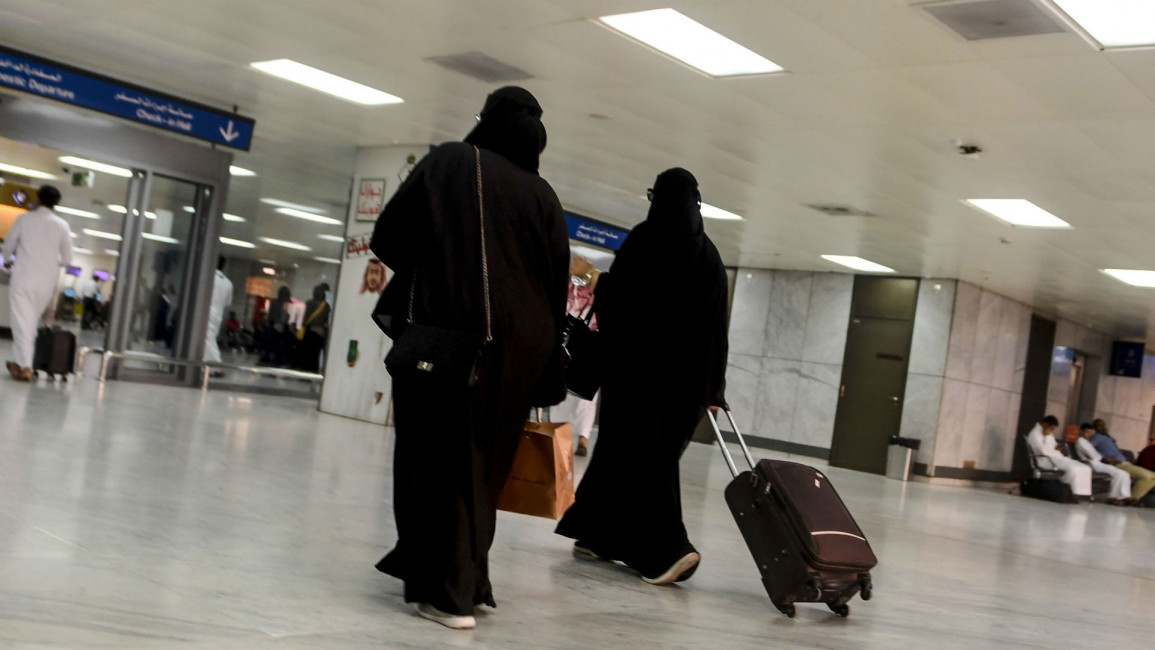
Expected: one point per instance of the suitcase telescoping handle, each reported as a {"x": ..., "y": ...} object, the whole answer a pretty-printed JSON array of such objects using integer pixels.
[{"x": 722, "y": 441}]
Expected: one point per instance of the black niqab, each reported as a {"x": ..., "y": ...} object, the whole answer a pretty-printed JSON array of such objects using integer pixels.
[{"x": 511, "y": 126}]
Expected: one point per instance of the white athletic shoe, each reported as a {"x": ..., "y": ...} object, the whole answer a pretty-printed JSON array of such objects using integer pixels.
[
  {"x": 451, "y": 621},
  {"x": 683, "y": 566}
]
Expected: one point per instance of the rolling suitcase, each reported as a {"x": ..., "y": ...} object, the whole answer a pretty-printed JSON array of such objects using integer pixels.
[
  {"x": 805, "y": 543},
  {"x": 55, "y": 352}
]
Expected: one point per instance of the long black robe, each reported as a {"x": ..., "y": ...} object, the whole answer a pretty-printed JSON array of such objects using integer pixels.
[
  {"x": 662, "y": 311},
  {"x": 454, "y": 450}
]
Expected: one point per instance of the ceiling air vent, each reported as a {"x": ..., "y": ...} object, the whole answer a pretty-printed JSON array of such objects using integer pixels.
[
  {"x": 481, "y": 66},
  {"x": 976, "y": 20},
  {"x": 840, "y": 210}
]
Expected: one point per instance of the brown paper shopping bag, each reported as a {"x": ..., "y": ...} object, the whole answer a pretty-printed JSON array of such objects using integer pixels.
[{"x": 541, "y": 483}]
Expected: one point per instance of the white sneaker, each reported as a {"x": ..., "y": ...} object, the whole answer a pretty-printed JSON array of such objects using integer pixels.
[
  {"x": 451, "y": 621},
  {"x": 688, "y": 562}
]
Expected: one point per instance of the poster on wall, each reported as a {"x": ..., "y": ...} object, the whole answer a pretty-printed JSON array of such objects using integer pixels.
[{"x": 370, "y": 199}]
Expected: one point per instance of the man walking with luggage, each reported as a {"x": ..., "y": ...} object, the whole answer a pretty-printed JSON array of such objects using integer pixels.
[{"x": 42, "y": 243}]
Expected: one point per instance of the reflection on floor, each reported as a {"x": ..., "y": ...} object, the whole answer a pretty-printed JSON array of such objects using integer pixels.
[{"x": 139, "y": 516}]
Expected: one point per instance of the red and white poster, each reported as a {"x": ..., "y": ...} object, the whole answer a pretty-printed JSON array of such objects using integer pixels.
[{"x": 370, "y": 199}]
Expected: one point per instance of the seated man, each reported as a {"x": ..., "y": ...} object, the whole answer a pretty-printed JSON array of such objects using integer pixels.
[
  {"x": 1142, "y": 480},
  {"x": 1120, "y": 493},
  {"x": 1042, "y": 442},
  {"x": 1146, "y": 458}
]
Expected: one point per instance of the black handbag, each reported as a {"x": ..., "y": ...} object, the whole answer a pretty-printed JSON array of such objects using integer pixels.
[
  {"x": 583, "y": 355},
  {"x": 448, "y": 358}
]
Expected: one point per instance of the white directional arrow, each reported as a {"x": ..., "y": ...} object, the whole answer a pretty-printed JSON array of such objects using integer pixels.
[{"x": 230, "y": 134}]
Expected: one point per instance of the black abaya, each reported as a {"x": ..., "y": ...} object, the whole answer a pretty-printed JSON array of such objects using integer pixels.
[
  {"x": 455, "y": 448},
  {"x": 662, "y": 313}
]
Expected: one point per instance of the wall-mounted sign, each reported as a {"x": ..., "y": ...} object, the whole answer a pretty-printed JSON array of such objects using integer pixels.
[
  {"x": 589, "y": 231},
  {"x": 370, "y": 199},
  {"x": 64, "y": 83}
]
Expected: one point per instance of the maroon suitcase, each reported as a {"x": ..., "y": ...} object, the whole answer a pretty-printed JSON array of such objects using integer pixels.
[{"x": 804, "y": 541}]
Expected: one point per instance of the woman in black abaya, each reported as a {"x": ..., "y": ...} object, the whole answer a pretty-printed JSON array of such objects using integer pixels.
[
  {"x": 454, "y": 447},
  {"x": 662, "y": 313}
]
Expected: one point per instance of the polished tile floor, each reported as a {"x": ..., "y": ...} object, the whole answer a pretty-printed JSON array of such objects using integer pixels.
[{"x": 137, "y": 516}]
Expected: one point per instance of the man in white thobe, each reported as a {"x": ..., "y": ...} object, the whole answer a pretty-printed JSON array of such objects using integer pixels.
[
  {"x": 1042, "y": 443},
  {"x": 222, "y": 298},
  {"x": 42, "y": 243},
  {"x": 1120, "y": 480}
]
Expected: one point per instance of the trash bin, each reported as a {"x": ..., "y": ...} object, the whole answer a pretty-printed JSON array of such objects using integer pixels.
[{"x": 900, "y": 457}]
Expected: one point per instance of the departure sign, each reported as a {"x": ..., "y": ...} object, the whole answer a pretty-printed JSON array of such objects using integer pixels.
[
  {"x": 38, "y": 76},
  {"x": 589, "y": 231}
]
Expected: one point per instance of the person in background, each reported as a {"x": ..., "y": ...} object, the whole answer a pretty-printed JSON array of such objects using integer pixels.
[
  {"x": 454, "y": 445},
  {"x": 316, "y": 331},
  {"x": 91, "y": 298},
  {"x": 664, "y": 367},
  {"x": 276, "y": 325},
  {"x": 1146, "y": 458},
  {"x": 580, "y": 413},
  {"x": 41, "y": 243},
  {"x": 1042, "y": 443},
  {"x": 1120, "y": 481},
  {"x": 1142, "y": 480},
  {"x": 222, "y": 297}
]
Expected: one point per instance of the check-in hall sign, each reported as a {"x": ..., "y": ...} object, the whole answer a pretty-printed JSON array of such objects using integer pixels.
[{"x": 38, "y": 76}]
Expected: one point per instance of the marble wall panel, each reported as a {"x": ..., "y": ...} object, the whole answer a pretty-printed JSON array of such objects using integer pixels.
[
  {"x": 827, "y": 318},
  {"x": 999, "y": 432},
  {"x": 1007, "y": 345},
  {"x": 920, "y": 412},
  {"x": 1105, "y": 398},
  {"x": 1060, "y": 383},
  {"x": 974, "y": 430},
  {"x": 1129, "y": 392},
  {"x": 785, "y": 335},
  {"x": 986, "y": 338},
  {"x": 1057, "y": 409},
  {"x": 752, "y": 290},
  {"x": 742, "y": 376},
  {"x": 777, "y": 398},
  {"x": 817, "y": 404},
  {"x": 964, "y": 325},
  {"x": 1011, "y": 426},
  {"x": 951, "y": 417},
  {"x": 932, "y": 322},
  {"x": 1023, "y": 340},
  {"x": 1066, "y": 333}
]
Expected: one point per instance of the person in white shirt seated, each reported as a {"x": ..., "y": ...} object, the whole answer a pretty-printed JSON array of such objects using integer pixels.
[
  {"x": 1120, "y": 493},
  {"x": 1042, "y": 442}
]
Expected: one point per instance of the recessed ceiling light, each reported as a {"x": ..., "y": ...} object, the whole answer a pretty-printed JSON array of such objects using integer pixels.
[
  {"x": 96, "y": 166},
  {"x": 111, "y": 251},
  {"x": 327, "y": 260},
  {"x": 1018, "y": 212},
  {"x": 285, "y": 244},
  {"x": 712, "y": 212},
  {"x": 24, "y": 171},
  {"x": 228, "y": 241},
  {"x": 149, "y": 215},
  {"x": 857, "y": 263},
  {"x": 234, "y": 218},
  {"x": 337, "y": 238},
  {"x": 285, "y": 204},
  {"x": 309, "y": 216},
  {"x": 269, "y": 271},
  {"x": 101, "y": 234},
  {"x": 159, "y": 238},
  {"x": 1135, "y": 278},
  {"x": 82, "y": 251},
  {"x": 189, "y": 209},
  {"x": 77, "y": 213},
  {"x": 1114, "y": 23},
  {"x": 241, "y": 171},
  {"x": 690, "y": 42},
  {"x": 119, "y": 209},
  {"x": 325, "y": 82}
]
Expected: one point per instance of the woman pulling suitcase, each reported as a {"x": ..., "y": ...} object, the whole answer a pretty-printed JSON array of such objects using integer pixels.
[{"x": 661, "y": 309}]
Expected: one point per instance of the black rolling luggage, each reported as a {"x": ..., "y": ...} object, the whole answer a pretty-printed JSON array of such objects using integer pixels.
[
  {"x": 55, "y": 352},
  {"x": 806, "y": 544}
]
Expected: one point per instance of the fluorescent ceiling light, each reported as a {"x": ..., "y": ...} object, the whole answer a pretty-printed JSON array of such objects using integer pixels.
[
  {"x": 690, "y": 42},
  {"x": 269, "y": 271},
  {"x": 119, "y": 209},
  {"x": 228, "y": 241},
  {"x": 82, "y": 251},
  {"x": 332, "y": 238},
  {"x": 77, "y": 213},
  {"x": 285, "y": 244},
  {"x": 325, "y": 82},
  {"x": 159, "y": 238},
  {"x": 285, "y": 204},
  {"x": 234, "y": 218},
  {"x": 150, "y": 215},
  {"x": 24, "y": 171},
  {"x": 1018, "y": 212},
  {"x": 189, "y": 209},
  {"x": 101, "y": 234},
  {"x": 241, "y": 171},
  {"x": 327, "y": 260},
  {"x": 265, "y": 261},
  {"x": 96, "y": 166},
  {"x": 1114, "y": 23},
  {"x": 112, "y": 252},
  {"x": 73, "y": 235},
  {"x": 857, "y": 263},
  {"x": 309, "y": 216},
  {"x": 1133, "y": 277},
  {"x": 711, "y": 212}
]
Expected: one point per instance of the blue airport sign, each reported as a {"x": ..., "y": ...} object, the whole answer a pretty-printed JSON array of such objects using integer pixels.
[
  {"x": 594, "y": 232},
  {"x": 38, "y": 76}
]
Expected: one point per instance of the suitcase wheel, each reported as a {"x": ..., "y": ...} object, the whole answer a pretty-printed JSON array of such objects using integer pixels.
[
  {"x": 787, "y": 609},
  {"x": 842, "y": 610},
  {"x": 867, "y": 589}
]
